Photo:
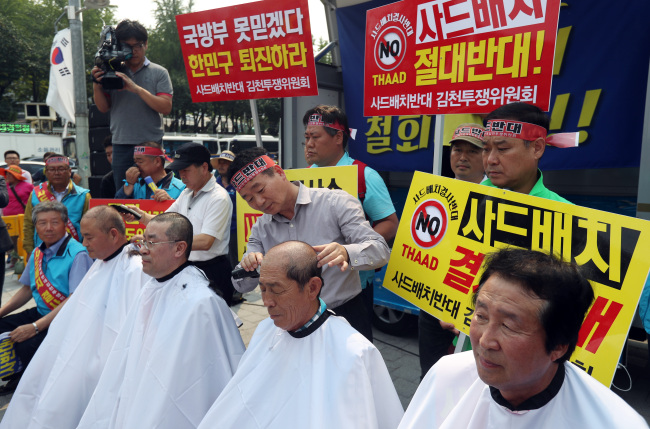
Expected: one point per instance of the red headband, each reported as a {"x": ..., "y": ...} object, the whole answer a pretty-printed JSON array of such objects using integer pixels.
[
  {"x": 317, "y": 119},
  {"x": 147, "y": 150},
  {"x": 529, "y": 132},
  {"x": 57, "y": 160},
  {"x": 248, "y": 172}
]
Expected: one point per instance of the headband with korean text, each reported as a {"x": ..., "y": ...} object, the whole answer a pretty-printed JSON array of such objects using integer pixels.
[
  {"x": 147, "y": 150},
  {"x": 317, "y": 119},
  {"x": 529, "y": 132},
  {"x": 249, "y": 171},
  {"x": 57, "y": 160}
]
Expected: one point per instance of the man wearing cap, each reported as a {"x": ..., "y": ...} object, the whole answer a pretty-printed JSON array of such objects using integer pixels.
[
  {"x": 221, "y": 164},
  {"x": 13, "y": 158},
  {"x": 147, "y": 179},
  {"x": 331, "y": 221},
  {"x": 326, "y": 139},
  {"x": 514, "y": 142},
  {"x": 58, "y": 187},
  {"x": 209, "y": 209},
  {"x": 466, "y": 159}
]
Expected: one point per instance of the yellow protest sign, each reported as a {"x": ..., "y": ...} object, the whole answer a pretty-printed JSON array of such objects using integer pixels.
[
  {"x": 344, "y": 177},
  {"x": 448, "y": 226}
]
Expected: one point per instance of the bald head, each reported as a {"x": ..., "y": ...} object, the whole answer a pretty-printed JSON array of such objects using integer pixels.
[
  {"x": 290, "y": 282},
  {"x": 103, "y": 231},
  {"x": 297, "y": 259}
]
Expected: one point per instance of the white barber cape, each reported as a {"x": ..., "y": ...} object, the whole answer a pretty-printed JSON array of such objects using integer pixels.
[
  {"x": 175, "y": 353},
  {"x": 452, "y": 395},
  {"x": 331, "y": 378},
  {"x": 60, "y": 379}
]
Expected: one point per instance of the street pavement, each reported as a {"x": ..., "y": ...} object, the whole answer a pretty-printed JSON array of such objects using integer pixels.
[{"x": 402, "y": 359}]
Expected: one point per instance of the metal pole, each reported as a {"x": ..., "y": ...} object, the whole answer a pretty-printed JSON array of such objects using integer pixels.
[
  {"x": 256, "y": 123},
  {"x": 80, "y": 97}
]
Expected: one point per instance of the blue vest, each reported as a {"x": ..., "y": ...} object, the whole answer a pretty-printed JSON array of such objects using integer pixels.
[
  {"x": 57, "y": 270},
  {"x": 74, "y": 202},
  {"x": 142, "y": 192}
]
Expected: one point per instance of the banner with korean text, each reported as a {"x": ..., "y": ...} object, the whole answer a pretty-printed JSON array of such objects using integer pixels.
[
  {"x": 254, "y": 50},
  {"x": 438, "y": 57},
  {"x": 344, "y": 177},
  {"x": 149, "y": 206},
  {"x": 448, "y": 226}
]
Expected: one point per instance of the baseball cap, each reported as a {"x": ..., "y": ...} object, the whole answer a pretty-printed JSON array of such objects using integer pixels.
[
  {"x": 471, "y": 133},
  {"x": 227, "y": 155},
  {"x": 189, "y": 154}
]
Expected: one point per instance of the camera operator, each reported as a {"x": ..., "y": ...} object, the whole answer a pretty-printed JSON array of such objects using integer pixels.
[{"x": 136, "y": 109}]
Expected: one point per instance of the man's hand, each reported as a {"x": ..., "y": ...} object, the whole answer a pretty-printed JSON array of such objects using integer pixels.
[
  {"x": 161, "y": 195},
  {"x": 97, "y": 74},
  {"x": 129, "y": 85},
  {"x": 332, "y": 254},
  {"x": 251, "y": 261},
  {"x": 449, "y": 327},
  {"x": 22, "y": 333},
  {"x": 132, "y": 175}
]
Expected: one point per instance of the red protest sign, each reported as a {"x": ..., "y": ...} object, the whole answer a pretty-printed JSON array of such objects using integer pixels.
[
  {"x": 458, "y": 56},
  {"x": 249, "y": 51}
]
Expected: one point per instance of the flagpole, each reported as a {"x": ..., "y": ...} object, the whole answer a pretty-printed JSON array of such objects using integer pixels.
[{"x": 80, "y": 96}]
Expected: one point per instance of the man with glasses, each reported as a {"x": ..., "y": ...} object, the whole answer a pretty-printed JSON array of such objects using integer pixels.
[
  {"x": 13, "y": 158},
  {"x": 137, "y": 109},
  {"x": 59, "y": 187},
  {"x": 178, "y": 347}
]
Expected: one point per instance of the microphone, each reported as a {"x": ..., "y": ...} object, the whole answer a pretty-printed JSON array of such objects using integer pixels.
[{"x": 150, "y": 183}]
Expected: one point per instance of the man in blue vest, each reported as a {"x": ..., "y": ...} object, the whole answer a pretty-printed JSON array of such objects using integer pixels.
[
  {"x": 149, "y": 159},
  {"x": 54, "y": 270},
  {"x": 326, "y": 140},
  {"x": 59, "y": 187}
]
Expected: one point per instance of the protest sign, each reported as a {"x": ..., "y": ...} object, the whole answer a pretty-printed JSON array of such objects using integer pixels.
[
  {"x": 249, "y": 51},
  {"x": 458, "y": 56},
  {"x": 448, "y": 226}
]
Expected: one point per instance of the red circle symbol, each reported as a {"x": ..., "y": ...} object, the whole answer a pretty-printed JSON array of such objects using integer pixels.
[
  {"x": 390, "y": 48},
  {"x": 429, "y": 223}
]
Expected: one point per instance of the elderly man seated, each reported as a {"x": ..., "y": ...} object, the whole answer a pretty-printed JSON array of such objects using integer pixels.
[
  {"x": 53, "y": 393},
  {"x": 54, "y": 270},
  {"x": 304, "y": 367},
  {"x": 178, "y": 347},
  {"x": 528, "y": 311}
]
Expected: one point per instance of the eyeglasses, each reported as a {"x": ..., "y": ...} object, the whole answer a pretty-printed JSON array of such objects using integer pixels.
[
  {"x": 149, "y": 244},
  {"x": 57, "y": 170},
  {"x": 137, "y": 46}
]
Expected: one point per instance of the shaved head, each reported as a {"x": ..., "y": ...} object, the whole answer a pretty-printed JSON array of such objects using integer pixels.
[
  {"x": 297, "y": 259},
  {"x": 106, "y": 218}
]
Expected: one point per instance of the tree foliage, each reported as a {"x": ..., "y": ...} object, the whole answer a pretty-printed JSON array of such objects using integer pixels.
[
  {"x": 27, "y": 31},
  {"x": 25, "y": 66}
]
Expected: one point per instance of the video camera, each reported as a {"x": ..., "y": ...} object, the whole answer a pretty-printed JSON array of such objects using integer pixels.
[{"x": 110, "y": 57}]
